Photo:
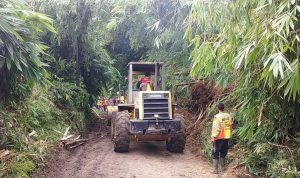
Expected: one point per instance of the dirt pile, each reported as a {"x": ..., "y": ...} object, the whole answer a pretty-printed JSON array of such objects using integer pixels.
[
  {"x": 203, "y": 95},
  {"x": 204, "y": 92}
]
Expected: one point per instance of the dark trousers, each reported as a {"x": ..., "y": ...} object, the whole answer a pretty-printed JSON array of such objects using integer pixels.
[{"x": 220, "y": 148}]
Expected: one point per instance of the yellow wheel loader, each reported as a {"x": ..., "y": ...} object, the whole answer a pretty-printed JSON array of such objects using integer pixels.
[{"x": 147, "y": 115}]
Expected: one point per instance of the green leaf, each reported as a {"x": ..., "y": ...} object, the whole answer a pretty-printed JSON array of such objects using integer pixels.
[
  {"x": 18, "y": 65},
  {"x": 8, "y": 64},
  {"x": 2, "y": 62}
]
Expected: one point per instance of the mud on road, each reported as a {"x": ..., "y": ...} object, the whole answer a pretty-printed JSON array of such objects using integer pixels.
[{"x": 97, "y": 159}]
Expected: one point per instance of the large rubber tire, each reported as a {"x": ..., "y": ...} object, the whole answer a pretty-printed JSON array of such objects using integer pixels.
[
  {"x": 177, "y": 143},
  {"x": 121, "y": 134}
]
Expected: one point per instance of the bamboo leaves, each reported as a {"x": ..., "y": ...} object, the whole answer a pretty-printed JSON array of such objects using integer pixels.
[
  {"x": 278, "y": 64},
  {"x": 266, "y": 45},
  {"x": 292, "y": 81},
  {"x": 154, "y": 26},
  {"x": 242, "y": 56},
  {"x": 20, "y": 47},
  {"x": 255, "y": 43}
]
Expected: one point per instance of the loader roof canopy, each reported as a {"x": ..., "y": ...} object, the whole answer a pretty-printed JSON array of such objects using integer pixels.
[{"x": 144, "y": 66}]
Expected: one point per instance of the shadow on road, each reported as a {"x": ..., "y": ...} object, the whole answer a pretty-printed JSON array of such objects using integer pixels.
[{"x": 149, "y": 148}]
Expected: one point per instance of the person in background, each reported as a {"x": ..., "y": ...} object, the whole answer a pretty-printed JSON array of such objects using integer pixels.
[
  {"x": 221, "y": 133},
  {"x": 114, "y": 101},
  {"x": 98, "y": 104},
  {"x": 104, "y": 103}
]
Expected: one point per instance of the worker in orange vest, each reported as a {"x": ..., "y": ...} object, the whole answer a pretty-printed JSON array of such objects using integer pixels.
[{"x": 221, "y": 133}]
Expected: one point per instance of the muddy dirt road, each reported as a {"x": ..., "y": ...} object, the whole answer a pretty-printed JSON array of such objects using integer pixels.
[{"x": 96, "y": 159}]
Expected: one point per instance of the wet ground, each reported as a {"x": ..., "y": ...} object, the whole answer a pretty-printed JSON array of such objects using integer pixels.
[{"x": 97, "y": 159}]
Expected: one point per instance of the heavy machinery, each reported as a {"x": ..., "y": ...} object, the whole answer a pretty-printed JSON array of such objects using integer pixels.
[{"x": 147, "y": 115}]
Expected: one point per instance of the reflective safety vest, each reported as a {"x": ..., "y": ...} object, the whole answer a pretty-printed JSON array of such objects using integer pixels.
[
  {"x": 148, "y": 87},
  {"x": 222, "y": 126}
]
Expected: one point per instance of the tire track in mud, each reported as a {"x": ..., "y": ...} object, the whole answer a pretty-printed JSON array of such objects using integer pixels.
[
  {"x": 96, "y": 159},
  {"x": 92, "y": 167},
  {"x": 88, "y": 160}
]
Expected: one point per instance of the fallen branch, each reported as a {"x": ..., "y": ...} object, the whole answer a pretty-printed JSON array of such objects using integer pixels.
[
  {"x": 180, "y": 84},
  {"x": 71, "y": 141},
  {"x": 201, "y": 115},
  {"x": 66, "y": 132},
  {"x": 67, "y": 137},
  {"x": 74, "y": 146}
]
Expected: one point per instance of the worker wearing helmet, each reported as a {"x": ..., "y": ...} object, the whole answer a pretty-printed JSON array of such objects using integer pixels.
[
  {"x": 221, "y": 133},
  {"x": 144, "y": 83}
]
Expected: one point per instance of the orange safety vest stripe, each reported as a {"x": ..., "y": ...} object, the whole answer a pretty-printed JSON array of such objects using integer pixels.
[{"x": 226, "y": 129}]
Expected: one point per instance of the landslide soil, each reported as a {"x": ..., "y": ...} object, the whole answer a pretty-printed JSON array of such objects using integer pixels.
[{"x": 97, "y": 159}]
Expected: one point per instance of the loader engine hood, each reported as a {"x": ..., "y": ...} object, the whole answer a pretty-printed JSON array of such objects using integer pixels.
[{"x": 155, "y": 105}]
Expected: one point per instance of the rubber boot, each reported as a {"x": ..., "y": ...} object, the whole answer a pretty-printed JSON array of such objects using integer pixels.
[
  {"x": 222, "y": 164},
  {"x": 215, "y": 166}
]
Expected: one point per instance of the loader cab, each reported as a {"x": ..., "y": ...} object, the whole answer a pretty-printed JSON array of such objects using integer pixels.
[
  {"x": 156, "y": 103},
  {"x": 138, "y": 70}
]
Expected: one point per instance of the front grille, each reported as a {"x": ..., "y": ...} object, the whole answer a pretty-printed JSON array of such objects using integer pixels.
[{"x": 159, "y": 106}]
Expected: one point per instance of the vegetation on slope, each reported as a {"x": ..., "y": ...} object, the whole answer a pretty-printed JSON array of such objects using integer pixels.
[
  {"x": 254, "y": 44},
  {"x": 30, "y": 127}
]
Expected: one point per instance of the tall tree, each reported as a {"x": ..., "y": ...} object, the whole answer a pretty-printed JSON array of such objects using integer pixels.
[{"x": 79, "y": 47}]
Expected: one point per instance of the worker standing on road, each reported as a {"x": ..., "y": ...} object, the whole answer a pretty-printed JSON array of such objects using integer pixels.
[{"x": 221, "y": 133}]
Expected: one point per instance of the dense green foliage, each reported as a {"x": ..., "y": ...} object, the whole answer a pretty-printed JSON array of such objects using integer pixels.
[
  {"x": 81, "y": 48},
  {"x": 33, "y": 118},
  {"x": 29, "y": 128},
  {"x": 78, "y": 47},
  {"x": 255, "y": 45},
  {"x": 150, "y": 31},
  {"x": 20, "y": 48}
]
